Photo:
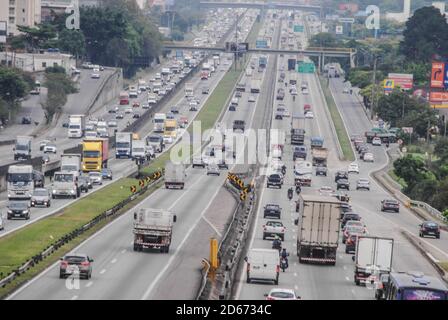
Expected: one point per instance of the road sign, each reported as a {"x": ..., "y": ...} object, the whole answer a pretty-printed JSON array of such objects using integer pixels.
[
  {"x": 298, "y": 28},
  {"x": 389, "y": 85},
  {"x": 305, "y": 67},
  {"x": 339, "y": 30},
  {"x": 261, "y": 44},
  {"x": 409, "y": 130},
  {"x": 347, "y": 20},
  {"x": 133, "y": 189}
]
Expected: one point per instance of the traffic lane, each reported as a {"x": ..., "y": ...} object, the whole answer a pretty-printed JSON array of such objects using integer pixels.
[
  {"x": 406, "y": 218},
  {"x": 110, "y": 242}
]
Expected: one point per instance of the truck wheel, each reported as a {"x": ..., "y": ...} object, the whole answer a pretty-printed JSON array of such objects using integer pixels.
[
  {"x": 276, "y": 281},
  {"x": 357, "y": 282},
  {"x": 264, "y": 236},
  {"x": 135, "y": 247},
  {"x": 61, "y": 275},
  {"x": 53, "y": 196},
  {"x": 27, "y": 217},
  {"x": 248, "y": 278}
]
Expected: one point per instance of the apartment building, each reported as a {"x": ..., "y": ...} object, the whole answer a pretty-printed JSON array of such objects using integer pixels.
[{"x": 20, "y": 12}]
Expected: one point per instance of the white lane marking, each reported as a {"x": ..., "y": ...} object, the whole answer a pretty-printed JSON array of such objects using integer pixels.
[
  {"x": 178, "y": 250},
  {"x": 347, "y": 278},
  {"x": 295, "y": 274},
  {"x": 74, "y": 298},
  {"x": 103, "y": 271},
  {"x": 212, "y": 226},
  {"x": 89, "y": 284},
  {"x": 296, "y": 287},
  {"x": 353, "y": 292},
  {"x": 124, "y": 250},
  {"x": 344, "y": 267},
  {"x": 113, "y": 261}
]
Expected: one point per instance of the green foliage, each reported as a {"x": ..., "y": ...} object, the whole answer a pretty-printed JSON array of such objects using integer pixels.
[
  {"x": 37, "y": 37},
  {"x": 426, "y": 34},
  {"x": 411, "y": 169},
  {"x": 441, "y": 149},
  {"x": 55, "y": 69},
  {"x": 72, "y": 41},
  {"x": 325, "y": 39},
  {"x": 12, "y": 85},
  {"x": 59, "y": 86}
]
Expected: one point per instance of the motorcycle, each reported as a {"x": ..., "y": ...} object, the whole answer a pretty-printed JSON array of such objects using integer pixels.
[
  {"x": 284, "y": 263},
  {"x": 290, "y": 194},
  {"x": 298, "y": 189},
  {"x": 277, "y": 244}
]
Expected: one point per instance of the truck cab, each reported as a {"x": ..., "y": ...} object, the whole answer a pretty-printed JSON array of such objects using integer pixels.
[
  {"x": 22, "y": 149},
  {"x": 20, "y": 181},
  {"x": 65, "y": 184}
]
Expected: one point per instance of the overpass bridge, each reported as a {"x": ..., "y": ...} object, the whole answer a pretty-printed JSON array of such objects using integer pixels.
[
  {"x": 321, "y": 52},
  {"x": 260, "y": 5}
]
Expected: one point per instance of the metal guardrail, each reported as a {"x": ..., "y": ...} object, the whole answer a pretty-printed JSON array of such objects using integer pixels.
[
  {"x": 432, "y": 211},
  {"x": 73, "y": 234}
]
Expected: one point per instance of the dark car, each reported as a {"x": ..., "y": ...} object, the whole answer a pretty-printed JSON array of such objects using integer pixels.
[
  {"x": 65, "y": 125},
  {"x": 272, "y": 210},
  {"x": 350, "y": 216},
  {"x": 350, "y": 244},
  {"x": 280, "y": 94},
  {"x": 321, "y": 171},
  {"x": 390, "y": 205},
  {"x": 239, "y": 125},
  {"x": 343, "y": 184},
  {"x": 238, "y": 94},
  {"x": 107, "y": 174},
  {"x": 18, "y": 209},
  {"x": 136, "y": 115},
  {"x": 345, "y": 207},
  {"x": 340, "y": 175},
  {"x": 84, "y": 184},
  {"x": 429, "y": 228},
  {"x": 274, "y": 180},
  {"x": 26, "y": 120},
  {"x": 72, "y": 264},
  {"x": 232, "y": 107},
  {"x": 175, "y": 110},
  {"x": 299, "y": 152}
]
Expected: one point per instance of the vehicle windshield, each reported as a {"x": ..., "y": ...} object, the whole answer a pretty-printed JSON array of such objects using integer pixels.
[
  {"x": 274, "y": 224},
  {"x": 282, "y": 295},
  {"x": 22, "y": 147},
  {"x": 94, "y": 174},
  {"x": 20, "y": 177},
  {"x": 69, "y": 168},
  {"x": 138, "y": 149},
  {"x": 61, "y": 177},
  {"x": 74, "y": 126},
  {"x": 40, "y": 193},
  {"x": 74, "y": 259},
  {"x": 170, "y": 129},
  {"x": 122, "y": 145},
  {"x": 91, "y": 154},
  {"x": 423, "y": 294},
  {"x": 355, "y": 229},
  {"x": 18, "y": 205},
  {"x": 154, "y": 139},
  {"x": 159, "y": 120}
]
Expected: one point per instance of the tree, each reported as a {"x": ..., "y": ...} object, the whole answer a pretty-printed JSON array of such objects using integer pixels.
[
  {"x": 411, "y": 169},
  {"x": 59, "y": 85},
  {"x": 426, "y": 35},
  {"x": 325, "y": 39},
  {"x": 441, "y": 149},
  {"x": 37, "y": 37},
  {"x": 12, "y": 85},
  {"x": 72, "y": 41}
]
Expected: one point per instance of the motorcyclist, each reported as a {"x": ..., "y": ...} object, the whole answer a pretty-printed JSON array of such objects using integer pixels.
[
  {"x": 290, "y": 193},
  {"x": 298, "y": 189},
  {"x": 284, "y": 255},
  {"x": 283, "y": 169},
  {"x": 277, "y": 243}
]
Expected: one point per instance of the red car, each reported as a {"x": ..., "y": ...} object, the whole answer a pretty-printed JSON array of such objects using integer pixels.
[
  {"x": 136, "y": 104},
  {"x": 306, "y": 108}
]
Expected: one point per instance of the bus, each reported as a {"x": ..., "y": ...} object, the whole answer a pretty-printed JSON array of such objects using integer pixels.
[
  {"x": 412, "y": 286},
  {"x": 124, "y": 98}
]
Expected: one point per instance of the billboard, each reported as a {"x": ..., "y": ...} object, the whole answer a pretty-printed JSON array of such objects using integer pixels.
[
  {"x": 389, "y": 85},
  {"x": 3, "y": 31},
  {"x": 438, "y": 96},
  {"x": 403, "y": 80},
  {"x": 437, "y": 75},
  {"x": 261, "y": 44},
  {"x": 298, "y": 28}
]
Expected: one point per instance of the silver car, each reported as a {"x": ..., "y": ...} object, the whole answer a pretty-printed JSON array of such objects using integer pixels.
[
  {"x": 363, "y": 184},
  {"x": 213, "y": 168},
  {"x": 96, "y": 177},
  {"x": 41, "y": 197}
]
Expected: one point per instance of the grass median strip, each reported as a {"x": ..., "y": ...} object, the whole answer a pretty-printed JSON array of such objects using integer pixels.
[
  {"x": 20, "y": 246},
  {"x": 343, "y": 138}
]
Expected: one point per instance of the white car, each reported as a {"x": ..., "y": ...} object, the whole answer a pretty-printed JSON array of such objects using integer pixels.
[
  {"x": 43, "y": 143},
  {"x": 282, "y": 294},
  {"x": 145, "y": 106},
  {"x": 50, "y": 147},
  {"x": 167, "y": 139},
  {"x": 162, "y": 92},
  {"x": 376, "y": 141},
  {"x": 368, "y": 157},
  {"x": 95, "y": 75},
  {"x": 353, "y": 168},
  {"x": 102, "y": 133},
  {"x": 251, "y": 99},
  {"x": 112, "y": 124},
  {"x": 128, "y": 110},
  {"x": 213, "y": 169},
  {"x": 96, "y": 177},
  {"x": 326, "y": 191},
  {"x": 91, "y": 134},
  {"x": 309, "y": 115},
  {"x": 305, "y": 91},
  {"x": 346, "y": 90},
  {"x": 274, "y": 228}
]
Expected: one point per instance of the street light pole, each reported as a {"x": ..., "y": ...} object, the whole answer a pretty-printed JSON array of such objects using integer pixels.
[{"x": 373, "y": 87}]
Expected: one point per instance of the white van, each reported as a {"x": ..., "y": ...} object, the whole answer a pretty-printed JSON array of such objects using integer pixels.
[
  {"x": 263, "y": 265},
  {"x": 249, "y": 72}
]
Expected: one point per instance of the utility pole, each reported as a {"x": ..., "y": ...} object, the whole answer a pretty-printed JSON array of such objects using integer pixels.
[{"x": 373, "y": 88}]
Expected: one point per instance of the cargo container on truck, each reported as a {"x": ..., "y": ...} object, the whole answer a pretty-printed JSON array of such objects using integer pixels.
[
  {"x": 76, "y": 125},
  {"x": 255, "y": 86},
  {"x": 320, "y": 156},
  {"x": 95, "y": 153},
  {"x": 152, "y": 98},
  {"x": 124, "y": 98},
  {"x": 123, "y": 144},
  {"x": 142, "y": 85},
  {"x": 297, "y": 130},
  {"x": 71, "y": 163},
  {"x": 373, "y": 257},
  {"x": 291, "y": 64},
  {"x": 170, "y": 129},
  {"x": 139, "y": 150},
  {"x": 318, "y": 232},
  {"x": 189, "y": 89},
  {"x": 174, "y": 175},
  {"x": 22, "y": 149},
  {"x": 159, "y": 122},
  {"x": 153, "y": 229}
]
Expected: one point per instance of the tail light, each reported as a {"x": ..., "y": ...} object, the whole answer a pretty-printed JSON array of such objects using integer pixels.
[
  {"x": 277, "y": 269},
  {"x": 264, "y": 228},
  {"x": 64, "y": 264},
  {"x": 85, "y": 263},
  {"x": 269, "y": 298}
]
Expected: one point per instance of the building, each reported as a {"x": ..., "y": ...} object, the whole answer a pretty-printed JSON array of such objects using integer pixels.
[
  {"x": 401, "y": 16},
  {"x": 35, "y": 62},
  {"x": 20, "y": 12}
]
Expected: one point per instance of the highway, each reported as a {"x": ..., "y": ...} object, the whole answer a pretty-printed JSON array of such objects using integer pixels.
[
  {"x": 121, "y": 273},
  {"x": 329, "y": 282},
  {"x": 123, "y": 167}
]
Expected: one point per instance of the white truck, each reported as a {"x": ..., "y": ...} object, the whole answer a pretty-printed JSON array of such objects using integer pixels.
[
  {"x": 142, "y": 85},
  {"x": 174, "y": 175},
  {"x": 21, "y": 181},
  {"x": 318, "y": 233},
  {"x": 152, "y": 98},
  {"x": 133, "y": 92},
  {"x": 76, "y": 125},
  {"x": 123, "y": 145},
  {"x": 153, "y": 229},
  {"x": 255, "y": 86},
  {"x": 139, "y": 150},
  {"x": 303, "y": 172},
  {"x": 71, "y": 163},
  {"x": 189, "y": 89},
  {"x": 373, "y": 257},
  {"x": 22, "y": 149},
  {"x": 165, "y": 72},
  {"x": 159, "y": 122},
  {"x": 65, "y": 184}
]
